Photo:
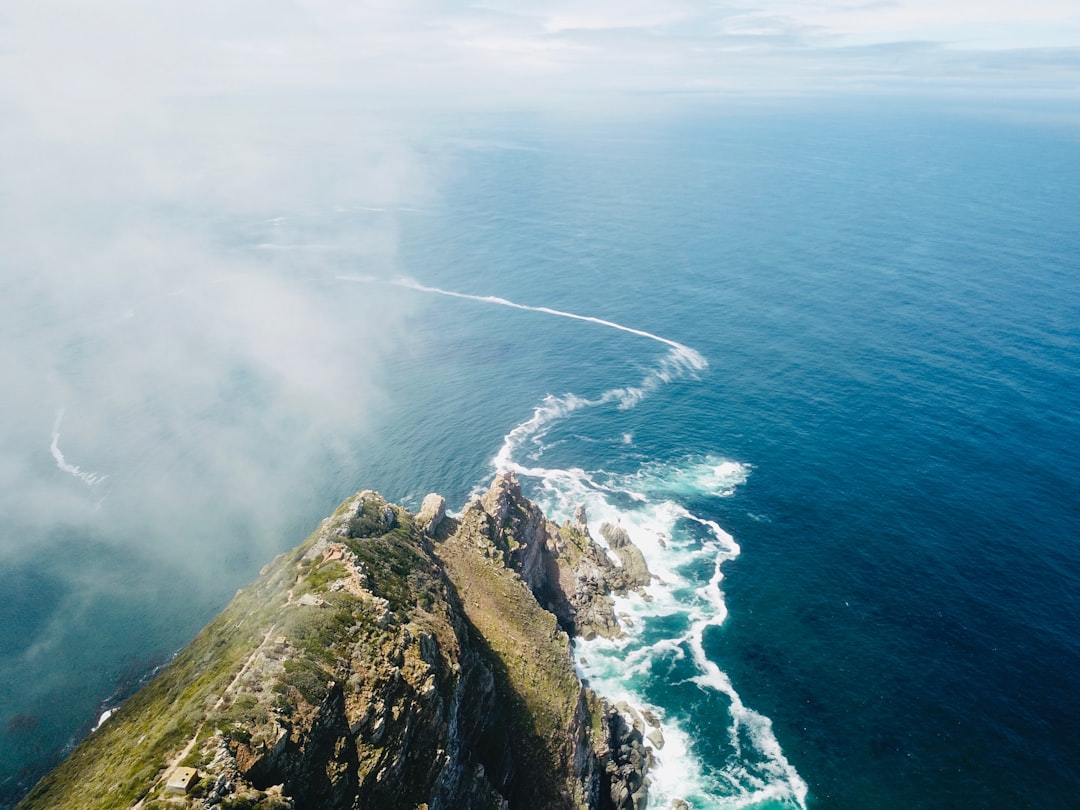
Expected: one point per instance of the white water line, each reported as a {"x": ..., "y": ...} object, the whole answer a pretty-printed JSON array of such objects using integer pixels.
[
  {"x": 89, "y": 478},
  {"x": 691, "y": 356}
]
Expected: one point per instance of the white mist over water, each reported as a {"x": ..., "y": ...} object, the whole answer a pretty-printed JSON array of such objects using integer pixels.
[{"x": 179, "y": 405}]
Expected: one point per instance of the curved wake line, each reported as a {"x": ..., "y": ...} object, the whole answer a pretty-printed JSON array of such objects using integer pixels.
[
  {"x": 89, "y": 478},
  {"x": 690, "y": 356}
]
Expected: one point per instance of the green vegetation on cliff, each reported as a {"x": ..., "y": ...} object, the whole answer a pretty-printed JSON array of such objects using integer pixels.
[
  {"x": 387, "y": 661},
  {"x": 534, "y": 671},
  {"x": 127, "y": 756}
]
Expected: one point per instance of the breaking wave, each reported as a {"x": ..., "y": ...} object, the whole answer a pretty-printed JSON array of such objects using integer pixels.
[{"x": 661, "y": 665}]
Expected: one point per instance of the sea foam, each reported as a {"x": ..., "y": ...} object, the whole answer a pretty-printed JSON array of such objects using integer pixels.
[
  {"x": 662, "y": 647},
  {"x": 676, "y": 544},
  {"x": 664, "y": 633}
]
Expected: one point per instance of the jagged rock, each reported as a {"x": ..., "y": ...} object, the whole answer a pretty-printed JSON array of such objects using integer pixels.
[
  {"x": 566, "y": 571},
  {"x": 581, "y": 519},
  {"x": 431, "y": 514},
  {"x": 626, "y": 764},
  {"x": 521, "y": 531},
  {"x": 389, "y": 518},
  {"x": 616, "y": 536},
  {"x": 635, "y": 718},
  {"x": 435, "y": 672},
  {"x": 634, "y": 570}
]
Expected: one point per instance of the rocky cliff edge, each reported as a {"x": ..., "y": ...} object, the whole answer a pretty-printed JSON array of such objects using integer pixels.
[{"x": 389, "y": 661}]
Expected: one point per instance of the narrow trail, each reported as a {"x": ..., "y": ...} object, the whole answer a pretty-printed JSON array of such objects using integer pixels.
[{"x": 172, "y": 762}]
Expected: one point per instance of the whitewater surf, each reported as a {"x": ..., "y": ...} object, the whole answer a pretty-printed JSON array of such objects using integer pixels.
[{"x": 660, "y": 666}]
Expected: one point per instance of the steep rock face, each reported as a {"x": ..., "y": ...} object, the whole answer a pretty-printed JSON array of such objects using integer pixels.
[
  {"x": 504, "y": 538},
  {"x": 549, "y": 723},
  {"x": 388, "y": 661},
  {"x": 567, "y": 571}
]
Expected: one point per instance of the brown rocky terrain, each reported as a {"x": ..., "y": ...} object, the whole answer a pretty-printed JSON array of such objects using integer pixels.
[{"x": 389, "y": 661}]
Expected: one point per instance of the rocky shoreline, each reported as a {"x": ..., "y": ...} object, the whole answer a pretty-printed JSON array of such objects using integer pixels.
[{"x": 390, "y": 660}]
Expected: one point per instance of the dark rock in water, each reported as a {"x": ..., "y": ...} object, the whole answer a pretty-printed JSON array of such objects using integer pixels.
[
  {"x": 431, "y": 674},
  {"x": 626, "y": 765},
  {"x": 615, "y": 536},
  {"x": 634, "y": 572}
]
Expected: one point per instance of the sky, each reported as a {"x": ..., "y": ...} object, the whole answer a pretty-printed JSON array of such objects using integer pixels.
[{"x": 56, "y": 55}]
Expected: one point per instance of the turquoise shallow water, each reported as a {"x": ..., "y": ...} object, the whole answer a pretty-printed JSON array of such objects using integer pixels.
[{"x": 841, "y": 425}]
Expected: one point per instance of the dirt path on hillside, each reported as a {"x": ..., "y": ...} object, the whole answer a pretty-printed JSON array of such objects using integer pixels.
[{"x": 171, "y": 763}]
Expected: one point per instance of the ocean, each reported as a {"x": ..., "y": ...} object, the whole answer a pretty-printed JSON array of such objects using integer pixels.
[{"x": 821, "y": 362}]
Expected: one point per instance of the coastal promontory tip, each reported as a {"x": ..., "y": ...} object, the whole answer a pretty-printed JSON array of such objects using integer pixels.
[{"x": 390, "y": 660}]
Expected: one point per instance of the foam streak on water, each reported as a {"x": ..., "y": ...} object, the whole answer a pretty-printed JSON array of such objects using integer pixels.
[
  {"x": 681, "y": 355},
  {"x": 89, "y": 478}
]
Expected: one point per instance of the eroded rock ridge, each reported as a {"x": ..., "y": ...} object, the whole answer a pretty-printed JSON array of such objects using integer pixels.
[{"x": 389, "y": 661}]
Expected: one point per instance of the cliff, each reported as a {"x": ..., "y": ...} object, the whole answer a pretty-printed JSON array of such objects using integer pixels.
[{"x": 389, "y": 661}]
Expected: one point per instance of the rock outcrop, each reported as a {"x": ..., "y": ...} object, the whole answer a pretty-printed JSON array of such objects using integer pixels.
[
  {"x": 635, "y": 572},
  {"x": 567, "y": 571},
  {"x": 389, "y": 661}
]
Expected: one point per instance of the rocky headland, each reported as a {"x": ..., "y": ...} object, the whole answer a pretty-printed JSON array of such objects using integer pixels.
[{"x": 391, "y": 660}]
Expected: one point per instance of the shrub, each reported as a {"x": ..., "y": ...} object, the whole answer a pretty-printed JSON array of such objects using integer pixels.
[{"x": 308, "y": 679}]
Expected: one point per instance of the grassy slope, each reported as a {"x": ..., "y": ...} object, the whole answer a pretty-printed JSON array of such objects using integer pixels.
[
  {"x": 115, "y": 767},
  {"x": 531, "y": 654}
]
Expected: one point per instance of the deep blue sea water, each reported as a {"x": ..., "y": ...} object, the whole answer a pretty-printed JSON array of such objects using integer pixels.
[{"x": 821, "y": 364}]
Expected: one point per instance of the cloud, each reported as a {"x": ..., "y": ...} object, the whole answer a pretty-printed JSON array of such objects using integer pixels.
[
  {"x": 966, "y": 23},
  {"x": 69, "y": 61},
  {"x": 187, "y": 389},
  {"x": 179, "y": 367}
]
